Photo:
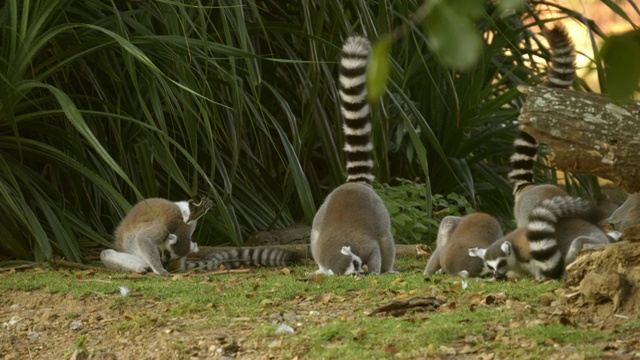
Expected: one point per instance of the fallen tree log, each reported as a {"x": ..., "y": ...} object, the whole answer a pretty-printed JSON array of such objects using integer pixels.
[{"x": 587, "y": 133}]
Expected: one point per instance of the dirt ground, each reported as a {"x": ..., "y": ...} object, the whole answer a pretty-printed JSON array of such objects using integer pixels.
[
  {"x": 602, "y": 291},
  {"x": 44, "y": 329},
  {"x": 45, "y": 325}
]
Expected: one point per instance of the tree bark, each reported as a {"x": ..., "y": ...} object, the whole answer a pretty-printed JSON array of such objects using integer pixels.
[{"x": 587, "y": 133}]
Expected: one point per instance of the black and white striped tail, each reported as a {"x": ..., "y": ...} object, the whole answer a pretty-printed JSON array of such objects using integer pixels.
[
  {"x": 560, "y": 74},
  {"x": 541, "y": 232},
  {"x": 355, "y": 108},
  {"x": 235, "y": 258},
  {"x": 562, "y": 69},
  {"x": 525, "y": 148}
]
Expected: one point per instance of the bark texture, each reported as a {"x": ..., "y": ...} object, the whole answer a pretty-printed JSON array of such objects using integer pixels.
[{"x": 587, "y": 133}]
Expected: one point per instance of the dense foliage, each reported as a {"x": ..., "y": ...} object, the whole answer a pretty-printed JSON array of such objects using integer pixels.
[{"x": 103, "y": 103}]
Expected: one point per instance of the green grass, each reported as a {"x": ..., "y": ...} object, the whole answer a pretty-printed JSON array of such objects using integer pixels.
[{"x": 330, "y": 315}]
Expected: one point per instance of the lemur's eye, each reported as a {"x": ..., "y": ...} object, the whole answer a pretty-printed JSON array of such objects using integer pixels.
[
  {"x": 502, "y": 264},
  {"x": 356, "y": 264}
]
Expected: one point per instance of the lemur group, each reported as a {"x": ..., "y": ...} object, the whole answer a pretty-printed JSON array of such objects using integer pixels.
[{"x": 351, "y": 231}]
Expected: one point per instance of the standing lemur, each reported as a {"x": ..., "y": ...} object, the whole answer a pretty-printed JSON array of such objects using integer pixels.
[
  {"x": 552, "y": 227},
  {"x": 352, "y": 228}
]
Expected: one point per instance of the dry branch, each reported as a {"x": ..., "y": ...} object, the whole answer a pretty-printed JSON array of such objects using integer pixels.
[{"x": 587, "y": 133}]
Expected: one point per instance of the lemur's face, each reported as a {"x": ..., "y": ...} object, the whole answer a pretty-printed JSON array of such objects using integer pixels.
[
  {"x": 496, "y": 259},
  {"x": 355, "y": 264},
  {"x": 497, "y": 267},
  {"x": 355, "y": 267}
]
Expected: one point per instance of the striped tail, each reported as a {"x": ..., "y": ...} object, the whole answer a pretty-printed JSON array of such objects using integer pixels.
[
  {"x": 355, "y": 109},
  {"x": 547, "y": 259},
  {"x": 560, "y": 74},
  {"x": 525, "y": 148},
  {"x": 235, "y": 258},
  {"x": 562, "y": 70}
]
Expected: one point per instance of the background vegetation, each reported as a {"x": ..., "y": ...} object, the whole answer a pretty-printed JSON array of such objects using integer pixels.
[{"x": 103, "y": 103}]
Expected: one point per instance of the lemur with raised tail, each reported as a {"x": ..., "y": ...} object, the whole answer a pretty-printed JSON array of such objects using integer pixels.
[
  {"x": 454, "y": 241},
  {"x": 552, "y": 227},
  {"x": 352, "y": 227},
  {"x": 560, "y": 74},
  {"x": 156, "y": 234},
  {"x": 456, "y": 235}
]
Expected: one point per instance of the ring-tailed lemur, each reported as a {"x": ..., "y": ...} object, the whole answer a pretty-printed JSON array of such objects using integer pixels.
[
  {"x": 352, "y": 228},
  {"x": 456, "y": 235},
  {"x": 155, "y": 233},
  {"x": 560, "y": 74},
  {"x": 556, "y": 231}
]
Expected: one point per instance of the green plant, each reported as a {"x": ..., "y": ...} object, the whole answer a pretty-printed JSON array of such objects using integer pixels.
[
  {"x": 411, "y": 219},
  {"x": 103, "y": 103}
]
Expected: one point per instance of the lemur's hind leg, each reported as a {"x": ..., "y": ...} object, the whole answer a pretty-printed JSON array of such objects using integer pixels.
[
  {"x": 581, "y": 243},
  {"x": 199, "y": 209},
  {"x": 123, "y": 261},
  {"x": 446, "y": 228}
]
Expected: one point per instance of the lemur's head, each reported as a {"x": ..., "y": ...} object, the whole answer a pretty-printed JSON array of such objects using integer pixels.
[
  {"x": 175, "y": 248},
  {"x": 355, "y": 265},
  {"x": 498, "y": 258}
]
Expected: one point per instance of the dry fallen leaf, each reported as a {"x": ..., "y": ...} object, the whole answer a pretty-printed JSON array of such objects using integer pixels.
[
  {"x": 323, "y": 298},
  {"x": 400, "y": 307},
  {"x": 390, "y": 349},
  {"x": 447, "y": 350},
  {"x": 423, "y": 250}
]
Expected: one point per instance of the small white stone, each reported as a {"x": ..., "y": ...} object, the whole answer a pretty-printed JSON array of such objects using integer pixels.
[{"x": 284, "y": 329}]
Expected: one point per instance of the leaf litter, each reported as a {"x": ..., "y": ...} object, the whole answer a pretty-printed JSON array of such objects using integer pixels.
[{"x": 38, "y": 323}]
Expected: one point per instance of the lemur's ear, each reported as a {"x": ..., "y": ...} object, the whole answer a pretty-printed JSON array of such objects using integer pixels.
[
  {"x": 506, "y": 247},
  {"x": 477, "y": 252},
  {"x": 346, "y": 250}
]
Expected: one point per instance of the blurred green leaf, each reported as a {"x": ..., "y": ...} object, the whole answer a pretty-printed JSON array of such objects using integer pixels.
[
  {"x": 471, "y": 9},
  {"x": 378, "y": 69},
  {"x": 453, "y": 36},
  {"x": 505, "y": 5},
  {"x": 621, "y": 54}
]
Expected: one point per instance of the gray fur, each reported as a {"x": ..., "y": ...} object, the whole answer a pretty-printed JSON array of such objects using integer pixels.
[
  {"x": 456, "y": 235},
  {"x": 352, "y": 215},
  {"x": 235, "y": 258}
]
